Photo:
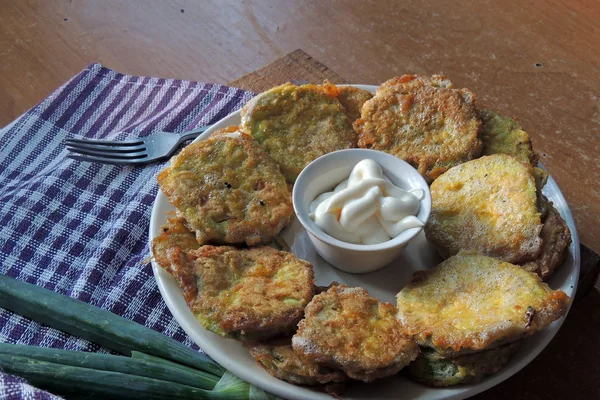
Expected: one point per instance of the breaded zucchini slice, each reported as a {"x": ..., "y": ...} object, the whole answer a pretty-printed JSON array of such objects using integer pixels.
[
  {"x": 502, "y": 135},
  {"x": 175, "y": 235},
  {"x": 556, "y": 239},
  {"x": 228, "y": 190},
  {"x": 246, "y": 294},
  {"x": 344, "y": 328},
  {"x": 472, "y": 302},
  {"x": 279, "y": 359},
  {"x": 352, "y": 98},
  {"x": 297, "y": 124},
  {"x": 422, "y": 120},
  {"x": 435, "y": 370},
  {"x": 488, "y": 205}
]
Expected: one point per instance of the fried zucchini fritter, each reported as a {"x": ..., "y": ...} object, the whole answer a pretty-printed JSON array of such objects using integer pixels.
[
  {"x": 556, "y": 239},
  {"x": 297, "y": 124},
  {"x": 228, "y": 190},
  {"x": 501, "y": 135},
  {"x": 432, "y": 369},
  {"x": 422, "y": 120},
  {"x": 488, "y": 205},
  {"x": 246, "y": 294},
  {"x": 346, "y": 329},
  {"x": 280, "y": 360},
  {"x": 471, "y": 302},
  {"x": 541, "y": 178},
  {"x": 353, "y": 98},
  {"x": 174, "y": 235}
]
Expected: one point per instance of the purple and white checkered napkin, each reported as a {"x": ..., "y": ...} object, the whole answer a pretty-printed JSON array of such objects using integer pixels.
[{"x": 81, "y": 229}]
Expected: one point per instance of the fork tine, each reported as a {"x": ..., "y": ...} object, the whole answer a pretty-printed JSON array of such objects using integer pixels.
[
  {"x": 105, "y": 142},
  {"x": 108, "y": 154},
  {"x": 108, "y": 160},
  {"x": 108, "y": 149}
]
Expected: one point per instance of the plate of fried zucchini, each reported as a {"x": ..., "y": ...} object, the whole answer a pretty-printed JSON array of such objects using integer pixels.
[{"x": 472, "y": 300}]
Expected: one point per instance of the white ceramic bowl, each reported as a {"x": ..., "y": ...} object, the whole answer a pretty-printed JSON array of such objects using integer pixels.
[{"x": 322, "y": 175}]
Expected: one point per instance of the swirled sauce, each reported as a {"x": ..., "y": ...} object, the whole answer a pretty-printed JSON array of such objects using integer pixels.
[{"x": 367, "y": 208}]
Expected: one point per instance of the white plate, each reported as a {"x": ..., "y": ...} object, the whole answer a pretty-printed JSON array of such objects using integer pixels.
[{"x": 383, "y": 284}]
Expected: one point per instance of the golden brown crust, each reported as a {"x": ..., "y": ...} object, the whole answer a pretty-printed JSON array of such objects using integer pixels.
[
  {"x": 502, "y": 135},
  {"x": 541, "y": 178},
  {"x": 280, "y": 360},
  {"x": 556, "y": 239},
  {"x": 488, "y": 205},
  {"x": 228, "y": 190},
  {"x": 175, "y": 237},
  {"x": 346, "y": 329},
  {"x": 353, "y": 98},
  {"x": 434, "y": 370},
  {"x": 422, "y": 120},
  {"x": 174, "y": 234},
  {"x": 297, "y": 124},
  {"x": 472, "y": 302},
  {"x": 246, "y": 294}
]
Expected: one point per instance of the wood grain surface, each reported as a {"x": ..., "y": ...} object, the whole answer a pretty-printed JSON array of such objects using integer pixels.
[
  {"x": 564, "y": 369},
  {"x": 300, "y": 67},
  {"x": 535, "y": 60},
  {"x": 296, "y": 66}
]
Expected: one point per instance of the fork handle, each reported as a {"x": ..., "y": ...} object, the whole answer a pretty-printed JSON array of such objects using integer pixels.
[{"x": 191, "y": 134}]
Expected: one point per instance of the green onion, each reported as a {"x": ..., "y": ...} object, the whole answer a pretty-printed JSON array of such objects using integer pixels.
[
  {"x": 160, "y": 367},
  {"x": 231, "y": 384},
  {"x": 91, "y": 383},
  {"x": 150, "y": 368},
  {"x": 180, "y": 367},
  {"x": 96, "y": 325}
]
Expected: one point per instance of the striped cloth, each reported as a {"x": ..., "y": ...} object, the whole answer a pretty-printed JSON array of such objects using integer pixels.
[{"x": 81, "y": 229}]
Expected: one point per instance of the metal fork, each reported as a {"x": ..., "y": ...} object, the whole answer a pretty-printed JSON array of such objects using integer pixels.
[{"x": 156, "y": 147}]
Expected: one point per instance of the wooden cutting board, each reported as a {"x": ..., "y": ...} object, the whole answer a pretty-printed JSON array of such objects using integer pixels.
[{"x": 568, "y": 366}]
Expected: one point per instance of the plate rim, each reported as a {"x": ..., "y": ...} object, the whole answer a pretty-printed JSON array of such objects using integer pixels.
[{"x": 288, "y": 390}]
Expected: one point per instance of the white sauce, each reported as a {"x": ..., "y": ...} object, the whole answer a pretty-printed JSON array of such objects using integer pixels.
[{"x": 367, "y": 208}]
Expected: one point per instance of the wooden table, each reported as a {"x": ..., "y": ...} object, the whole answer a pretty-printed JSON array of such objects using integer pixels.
[
  {"x": 557, "y": 372},
  {"x": 536, "y": 61}
]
